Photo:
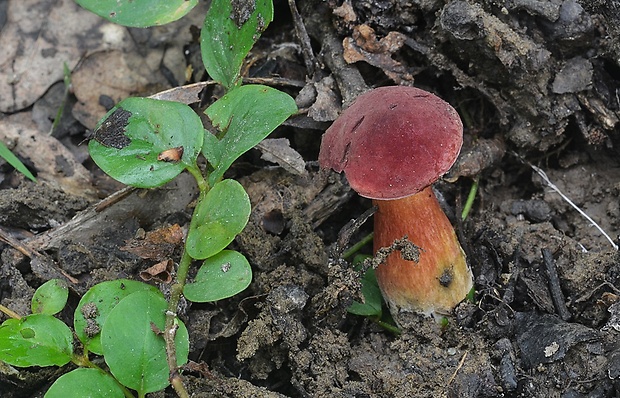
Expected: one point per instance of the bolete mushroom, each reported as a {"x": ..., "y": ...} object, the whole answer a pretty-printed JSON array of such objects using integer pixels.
[{"x": 393, "y": 143}]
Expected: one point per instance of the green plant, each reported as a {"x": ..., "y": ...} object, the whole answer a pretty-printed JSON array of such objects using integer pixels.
[
  {"x": 372, "y": 306},
  {"x": 6, "y": 154},
  {"x": 134, "y": 352},
  {"x": 145, "y": 143}
]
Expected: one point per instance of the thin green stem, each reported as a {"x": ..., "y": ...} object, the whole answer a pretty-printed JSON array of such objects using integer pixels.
[
  {"x": 182, "y": 272},
  {"x": 176, "y": 290},
  {"x": 83, "y": 361},
  {"x": 63, "y": 103},
  {"x": 126, "y": 392},
  {"x": 387, "y": 326},
  {"x": 356, "y": 247},
  {"x": 172, "y": 324},
  {"x": 203, "y": 185},
  {"x": 470, "y": 199}
]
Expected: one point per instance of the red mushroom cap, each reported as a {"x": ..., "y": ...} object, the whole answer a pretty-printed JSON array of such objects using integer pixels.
[{"x": 393, "y": 142}]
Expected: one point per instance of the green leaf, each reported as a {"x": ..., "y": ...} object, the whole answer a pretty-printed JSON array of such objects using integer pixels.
[
  {"x": 134, "y": 142},
  {"x": 221, "y": 276},
  {"x": 230, "y": 30},
  {"x": 219, "y": 216},
  {"x": 95, "y": 306},
  {"x": 139, "y": 13},
  {"x": 6, "y": 154},
  {"x": 35, "y": 340},
  {"x": 247, "y": 114},
  {"x": 50, "y": 298},
  {"x": 371, "y": 307},
  {"x": 85, "y": 382},
  {"x": 135, "y": 354}
]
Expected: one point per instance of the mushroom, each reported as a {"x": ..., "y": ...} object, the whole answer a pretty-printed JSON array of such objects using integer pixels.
[{"x": 393, "y": 143}]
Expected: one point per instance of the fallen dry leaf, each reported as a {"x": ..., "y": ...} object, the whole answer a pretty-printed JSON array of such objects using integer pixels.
[
  {"x": 156, "y": 245},
  {"x": 327, "y": 105},
  {"x": 346, "y": 12},
  {"x": 364, "y": 46},
  {"x": 279, "y": 151},
  {"x": 160, "y": 272}
]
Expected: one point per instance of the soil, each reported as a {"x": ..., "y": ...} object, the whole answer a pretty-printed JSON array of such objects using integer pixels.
[{"x": 537, "y": 86}]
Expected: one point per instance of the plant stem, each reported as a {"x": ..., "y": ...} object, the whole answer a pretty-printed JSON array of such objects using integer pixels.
[
  {"x": 175, "y": 296},
  {"x": 203, "y": 185},
  {"x": 470, "y": 199},
  {"x": 171, "y": 324},
  {"x": 356, "y": 247},
  {"x": 9, "y": 312},
  {"x": 387, "y": 326}
]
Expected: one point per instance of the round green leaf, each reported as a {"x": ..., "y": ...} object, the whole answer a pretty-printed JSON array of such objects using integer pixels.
[
  {"x": 35, "y": 340},
  {"x": 85, "y": 382},
  {"x": 247, "y": 114},
  {"x": 139, "y": 13},
  {"x": 134, "y": 352},
  {"x": 221, "y": 276},
  {"x": 219, "y": 216},
  {"x": 229, "y": 33},
  {"x": 50, "y": 298},
  {"x": 96, "y": 304},
  {"x": 145, "y": 143}
]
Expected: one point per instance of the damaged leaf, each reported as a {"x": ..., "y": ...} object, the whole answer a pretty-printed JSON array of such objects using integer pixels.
[
  {"x": 135, "y": 354},
  {"x": 132, "y": 138},
  {"x": 94, "y": 307},
  {"x": 35, "y": 340}
]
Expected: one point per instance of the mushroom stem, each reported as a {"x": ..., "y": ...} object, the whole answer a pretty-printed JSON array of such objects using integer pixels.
[{"x": 441, "y": 278}]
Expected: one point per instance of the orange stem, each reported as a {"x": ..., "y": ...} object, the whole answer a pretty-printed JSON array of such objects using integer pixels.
[{"x": 441, "y": 279}]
